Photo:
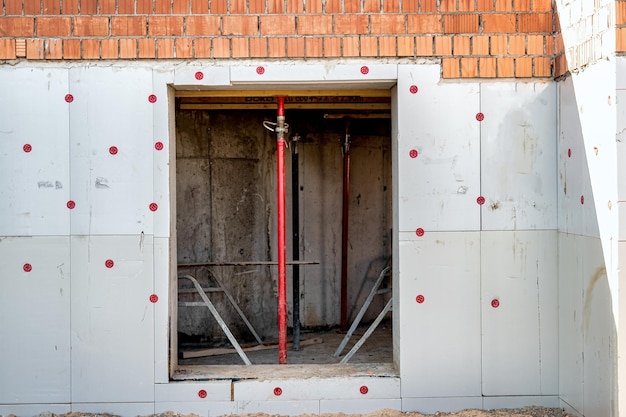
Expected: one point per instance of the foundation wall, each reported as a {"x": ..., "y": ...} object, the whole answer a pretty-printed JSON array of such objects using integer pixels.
[
  {"x": 590, "y": 34},
  {"x": 481, "y": 220},
  {"x": 621, "y": 192},
  {"x": 90, "y": 178},
  {"x": 588, "y": 228},
  {"x": 480, "y": 253}
]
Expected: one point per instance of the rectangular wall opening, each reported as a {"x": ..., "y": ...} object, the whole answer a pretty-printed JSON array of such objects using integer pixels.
[{"x": 226, "y": 222}]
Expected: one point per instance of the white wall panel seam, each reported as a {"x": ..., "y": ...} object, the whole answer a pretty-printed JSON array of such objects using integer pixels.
[
  {"x": 480, "y": 307},
  {"x": 539, "y": 327},
  {"x": 557, "y": 135},
  {"x": 480, "y": 289},
  {"x": 480, "y": 155},
  {"x": 69, "y": 184},
  {"x": 154, "y": 274},
  {"x": 557, "y": 156}
]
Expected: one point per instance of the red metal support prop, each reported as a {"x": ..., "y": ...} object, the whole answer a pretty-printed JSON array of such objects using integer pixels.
[
  {"x": 344, "y": 231},
  {"x": 282, "y": 248}
]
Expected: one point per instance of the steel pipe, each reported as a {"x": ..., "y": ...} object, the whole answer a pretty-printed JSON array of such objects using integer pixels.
[
  {"x": 282, "y": 249},
  {"x": 295, "y": 224},
  {"x": 344, "y": 229}
]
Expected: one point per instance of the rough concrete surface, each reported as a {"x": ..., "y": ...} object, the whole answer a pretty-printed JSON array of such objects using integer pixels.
[
  {"x": 226, "y": 211},
  {"x": 518, "y": 412}
]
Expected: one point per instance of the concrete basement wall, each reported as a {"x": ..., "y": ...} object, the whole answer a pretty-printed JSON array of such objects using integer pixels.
[
  {"x": 486, "y": 268},
  {"x": 588, "y": 216},
  {"x": 56, "y": 150},
  {"x": 226, "y": 212},
  {"x": 477, "y": 221},
  {"x": 223, "y": 214},
  {"x": 587, "y": 327},
  {"x": 621, "y": 192}
]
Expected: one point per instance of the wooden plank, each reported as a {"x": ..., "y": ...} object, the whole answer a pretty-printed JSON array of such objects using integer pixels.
[
  {"x": 246, "y": 263},
  {"x": 226, "y": 351},
  {"x": 297, "y": 106},
  {"x": 357, "y": 116},
  {"x": 194, "y": 291},
  {"x": 287, "y": 101},
  {"x": 287, "y": 93}
]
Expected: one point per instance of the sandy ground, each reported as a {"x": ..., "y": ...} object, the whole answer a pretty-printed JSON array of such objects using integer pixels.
[{"x": 519, "y": 412}]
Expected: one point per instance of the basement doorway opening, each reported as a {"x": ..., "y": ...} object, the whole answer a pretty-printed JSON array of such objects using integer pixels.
[{"x": 339, "y": 216}]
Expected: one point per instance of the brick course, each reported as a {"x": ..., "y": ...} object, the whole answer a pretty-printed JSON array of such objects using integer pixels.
[
  {"x": 474, "y": 38},
  {"x": 620, "y": 23}
]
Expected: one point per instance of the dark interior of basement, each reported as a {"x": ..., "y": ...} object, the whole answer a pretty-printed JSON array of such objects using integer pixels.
[{"x": 226, "y": 192}]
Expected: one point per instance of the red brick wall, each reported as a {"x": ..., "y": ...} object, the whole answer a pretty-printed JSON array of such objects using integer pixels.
[
  {"x": 474, "y": 38},
  {"x": 620, "y": 23}
]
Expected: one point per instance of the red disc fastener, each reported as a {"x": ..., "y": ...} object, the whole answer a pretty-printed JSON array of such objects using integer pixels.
[
  {"x": 420, "y": 299},
  {"x": 413, "y": 89},
  {"x": 154, "y": 298},
  {"x": 109, "y": 263},
  {"x": 480, "y": 200},
  {"x": 480, "y": 117},
  {"x": 419, "y": 232},
  {"x": 113, "y": 150},
  {"x": 413, "y": 153},
  {"x": 582, "y": 199},
  {"x": 154, "y": 206},
  {"x": 495, "y": 303},
  {"x": 71, "y": 204},
  {"x": 569, "y": 153},
  {"x": 202, "y": 393},
  {"x": 363, "y": 390},
  {"x": 158, "y": 146},
  {"x": 69, "y": 98},
  {"x": 278, "y": 391},
  {"x": 152, "y": 98},
  {"x": 27, "y": 148},
  {"x": 260, "y": 70},
  {"x": 199, "y": 75},
  {"x": 27, "y": 267},
  {"x": 365, "y": 70}
]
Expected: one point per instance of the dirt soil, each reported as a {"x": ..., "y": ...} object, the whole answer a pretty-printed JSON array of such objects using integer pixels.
[{"x": 518, "y": 412}]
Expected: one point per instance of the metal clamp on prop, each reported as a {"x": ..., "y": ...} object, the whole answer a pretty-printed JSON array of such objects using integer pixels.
[{"x": 273, "y": 127}]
